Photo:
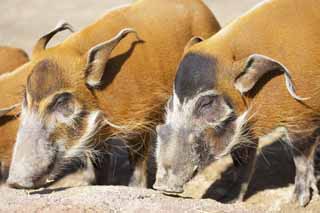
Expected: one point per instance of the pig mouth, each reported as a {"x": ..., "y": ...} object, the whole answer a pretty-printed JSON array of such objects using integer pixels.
[
  {"x": 173, "y": 192},
  {"x": 176, "y": 189},
  {"x": 36, "y": 184},
  {"x": 36, "y": 180},
  {"x": 169, "y": 190},
  {"x": 46, "y": 179}
]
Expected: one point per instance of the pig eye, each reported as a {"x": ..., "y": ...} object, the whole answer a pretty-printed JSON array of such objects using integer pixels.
[
  {"x": 62, "y": 103},
  {"x": 205, "y": 103}
]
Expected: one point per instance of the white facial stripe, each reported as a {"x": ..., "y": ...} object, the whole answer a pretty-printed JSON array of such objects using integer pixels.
[{"x": 85, "y": 145}]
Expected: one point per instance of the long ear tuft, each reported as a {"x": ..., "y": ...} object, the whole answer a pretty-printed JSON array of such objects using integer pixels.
[
  {"x": 259, "y": 65},
  {"x": 43, "y": 41},
  {"x": 98, "y": 57},
  {"x": 4, "y": 111}
]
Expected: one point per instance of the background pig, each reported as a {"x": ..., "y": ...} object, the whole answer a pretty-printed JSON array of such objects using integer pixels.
[{"x": 10, "y": 59}]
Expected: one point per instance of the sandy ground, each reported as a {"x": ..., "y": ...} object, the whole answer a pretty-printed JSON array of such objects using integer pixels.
[
  {"x": 270, "y": 191},
  {"x": 125, "y": 199},
  {"x": 21, "y": 23},
  {"x": 108, "y": 199}
]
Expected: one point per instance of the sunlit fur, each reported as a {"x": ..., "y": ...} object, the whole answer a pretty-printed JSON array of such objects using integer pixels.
[
  {"x": 184, "y": 130},
  {"x": 137, "y": 80},
  {"x": 268, "y": 30},
  {"x": 11, "y": 58}
]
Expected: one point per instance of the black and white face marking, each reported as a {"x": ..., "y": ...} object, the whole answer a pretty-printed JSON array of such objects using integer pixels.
[
  {"x": 31, "y": 159},
  {"x": 177, "y": 153},
  {"x": 41, "y": 157},
  {"x": 185, "y": 142},
  {"x": 57, "y": 131},
  {"x": 200, "y": 125},
  {"x": 195, "y": 74}
]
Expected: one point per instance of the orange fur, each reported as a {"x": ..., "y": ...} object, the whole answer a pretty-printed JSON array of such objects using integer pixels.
[
  {"x": 287, "y": 34},
  {"x": 11, "y": 58},
  {"x": 139, "y": 74}
]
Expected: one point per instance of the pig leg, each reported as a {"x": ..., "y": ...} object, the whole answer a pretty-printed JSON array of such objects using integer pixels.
[
  {"x": 139, "y": 176},
  {"x": 82, "y": 177},
  {"x": 244, "y": 159},
  {"x": 101, "y": 170},
  {"x": 4, "y": 170},
  {"x": 303, "y": 156},
  {"x": 138, "y": 159}
]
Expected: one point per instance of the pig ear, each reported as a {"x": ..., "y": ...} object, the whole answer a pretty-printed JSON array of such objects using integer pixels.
[
  {"x": 4, "y": 111},
  {"x": 194, "y": 40},
  {"x": 98, "y": 57},
  {"x": 258, "y": 66},
  {"x": 43, "y": 41}
]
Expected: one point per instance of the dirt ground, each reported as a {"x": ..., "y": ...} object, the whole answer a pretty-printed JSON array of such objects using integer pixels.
[
  {"x": 21, "y": 23},
  {"x": 270, "y": 191}
]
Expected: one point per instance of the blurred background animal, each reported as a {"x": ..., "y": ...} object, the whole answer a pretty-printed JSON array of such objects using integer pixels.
[{"x": 10, "y": 59}]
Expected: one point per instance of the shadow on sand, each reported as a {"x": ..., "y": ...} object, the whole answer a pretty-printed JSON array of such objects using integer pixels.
[{"x": 274, "y": 169}]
